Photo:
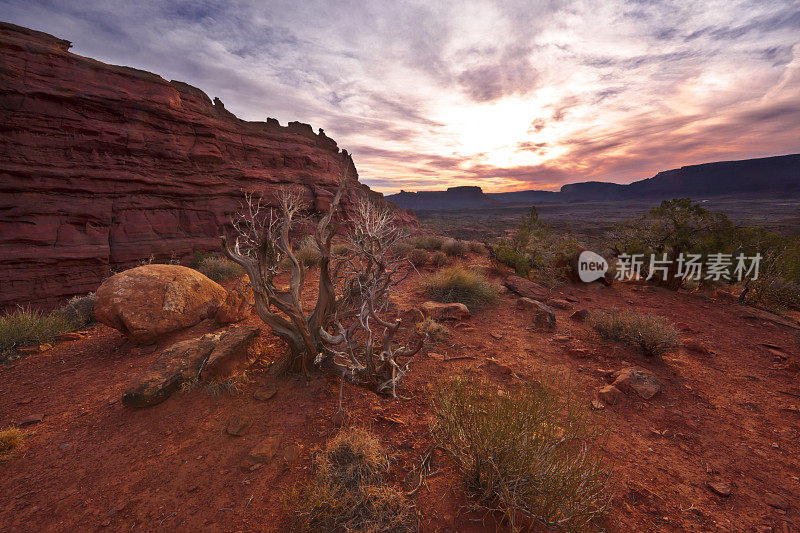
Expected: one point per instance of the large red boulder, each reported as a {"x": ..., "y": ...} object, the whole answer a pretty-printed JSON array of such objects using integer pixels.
[{"x": 149, "y": 301}]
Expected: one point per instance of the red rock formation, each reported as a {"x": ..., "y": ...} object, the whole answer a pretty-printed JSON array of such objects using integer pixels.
[{"x": 101, "y": 166}]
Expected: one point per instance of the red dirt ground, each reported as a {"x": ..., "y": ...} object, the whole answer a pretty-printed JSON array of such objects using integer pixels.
[{"x": 94, "y": 464}]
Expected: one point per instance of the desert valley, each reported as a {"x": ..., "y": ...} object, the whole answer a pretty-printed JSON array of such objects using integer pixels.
[{"x": 214, "y": 324}]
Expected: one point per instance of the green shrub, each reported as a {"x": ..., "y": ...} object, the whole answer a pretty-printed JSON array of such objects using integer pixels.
[
  {"x": 10, "y": 440},
  {"x": 349, "y": 491},
  {"x": 651, "y": 334},
  {"x": 531, "y": 453},
  {"x": 219, "y": 268},
  {"x": 428, "y": 242},
  {"x": 460, "y": 284},
  {"x": 455, "y": 248}
]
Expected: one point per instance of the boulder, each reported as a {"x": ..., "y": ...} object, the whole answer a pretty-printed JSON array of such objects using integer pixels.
[
  {"x": 238, "y": 305},
  {"x": 237, "y": 349},
  {"x": 641, "y": 381},
  {"x": 543, "y": 316},
  {"x": 147, "y": 302},
  {"x": 445, "y": 311},
  {"x": 526, "y": 288}
]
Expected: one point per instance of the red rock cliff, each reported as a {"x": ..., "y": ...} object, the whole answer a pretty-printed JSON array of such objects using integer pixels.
[{"x": 101, "y": 166}]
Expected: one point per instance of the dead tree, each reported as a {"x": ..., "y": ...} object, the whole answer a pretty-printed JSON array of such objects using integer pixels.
[{"x": 345, "y": 328}]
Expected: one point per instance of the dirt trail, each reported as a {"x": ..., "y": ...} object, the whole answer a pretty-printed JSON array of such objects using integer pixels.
[{"x": 94, "y": 464}]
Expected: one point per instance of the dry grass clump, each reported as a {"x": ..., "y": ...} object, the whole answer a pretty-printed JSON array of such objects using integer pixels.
[
  {"x": 402, "y": 248},
  {"x": 25, "y": 326},
  {"x": 10, "y": 440},
  {"x": 219, "y": 268},
  {"x": 476, "y": 247},
  {"x": 419, "y": 257},
  {"x": 428, "y": 242},
  {"x": 308, "y": 252},
  {"x": 439, "y": 259},
  {"x": 651, "y": 334},
  {"x": 531, "y": 453},
  {"x": 455, "y": 248},
  {"x": 349, "y": 492},
  {"x": 434, "y": 331},
  {"x": 460, "y": 284}
]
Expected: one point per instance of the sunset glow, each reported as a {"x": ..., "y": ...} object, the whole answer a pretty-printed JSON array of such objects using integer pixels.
[{"x": 506, "y": 95}]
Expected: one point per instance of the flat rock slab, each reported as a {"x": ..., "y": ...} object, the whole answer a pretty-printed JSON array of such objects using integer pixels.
[
  {"x": 641, "y": 381},
  {"x": 266, "y": 450},
  {"x": 526, "y": 288},
  {"x": 179, "y": 363},
  {"x": 236, "y": 350},
  {"x": 720, "y": 488}
]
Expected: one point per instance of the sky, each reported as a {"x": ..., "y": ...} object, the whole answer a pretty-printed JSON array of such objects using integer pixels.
[{"x": 505, "y": 95}]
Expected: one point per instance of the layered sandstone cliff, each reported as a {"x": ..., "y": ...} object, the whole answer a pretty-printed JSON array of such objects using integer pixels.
[{"x": 101, "y": 166}]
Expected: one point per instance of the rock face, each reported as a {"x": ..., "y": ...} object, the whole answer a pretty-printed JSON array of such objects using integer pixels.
[
  {"x": 102, "y": 165},
  {"x": 150, "y": 301}
]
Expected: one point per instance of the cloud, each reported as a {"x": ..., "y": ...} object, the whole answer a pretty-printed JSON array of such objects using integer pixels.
[{"x": 506, "y": 95}]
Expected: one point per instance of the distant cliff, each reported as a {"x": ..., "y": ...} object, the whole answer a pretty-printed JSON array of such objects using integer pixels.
[
  {"x": 777, "y": 177},
  {"x": 102, "y": 166}
]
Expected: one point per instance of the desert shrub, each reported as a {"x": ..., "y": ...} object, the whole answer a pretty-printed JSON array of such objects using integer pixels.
[
  {"x": 460, "y": 284},
  {"x": 79, "y": 310},
  {"x": 25, "y": 326},
  {"x": 308, "y": 253},
  {"x": 439, "y": 259},
  {"x": 419, "y": 257},
  {"x": 434, "y": 331},
  {"x": 530, "y": 453},
  {"x": 476, "y": 247},
  {"x": 777, "y": 286},
  {"x": 219, "y": 268},
  {"x": 10, "y": 440},
  {"x": 340, "y": 249},
  {"x": 428, "y": 242},
  {"x": 402, "y": 248},
  {"x": 505, "y": 254},
  {"x": 455, "y": 248},
  {"x": 651, "y": 334},
  {"x": 348, "y": 491}
]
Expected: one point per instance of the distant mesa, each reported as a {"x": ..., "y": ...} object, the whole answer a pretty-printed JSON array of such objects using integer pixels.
[{"x": 767, "y": 177}]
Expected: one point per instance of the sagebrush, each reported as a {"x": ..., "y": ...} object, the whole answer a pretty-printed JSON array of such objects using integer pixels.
[
  {"x": 531, "y": 453},
  {"x": 651, "y": 334},
  {"x": 219, "y": 268}
]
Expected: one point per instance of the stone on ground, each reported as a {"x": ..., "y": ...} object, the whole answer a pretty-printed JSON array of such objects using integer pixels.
[
  {"x": 526, "y": 288},
  {"x": 641, "y": 381},
  {"x": 611, "y": 395},
  {"x": 237, "y": 349},
  {"x": 445, "y": 311},
  {"x": 543, "y": 315},
  {"x": 147, "y": 302}
]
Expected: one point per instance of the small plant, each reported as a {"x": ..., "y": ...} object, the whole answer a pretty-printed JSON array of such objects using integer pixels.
[
  {"x": 308, "y": 254},
  {"x": 439, "y": 259},
  {"x": 530, "y": 453},
  {"x": 402, "y": 248},
  {"x": 476, "y": 247},
  {"x": 10, "y": 440},
  {"x": 428, "y": 242},
  {"x": 349, "y": 491},
  {"x": 455, "y": 248},
  {"x": 25, "y": 326},
  {"x": 460, "y": 284},
  {"x": 219, "y": 268},
  {"x": 434, "y": 331},
  {"x": 651, "y": 334},
  {"x": 419, "y": 257}
]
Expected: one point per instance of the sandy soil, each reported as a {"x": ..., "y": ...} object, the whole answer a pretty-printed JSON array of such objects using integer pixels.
[{"x": 94, "y": 464}]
